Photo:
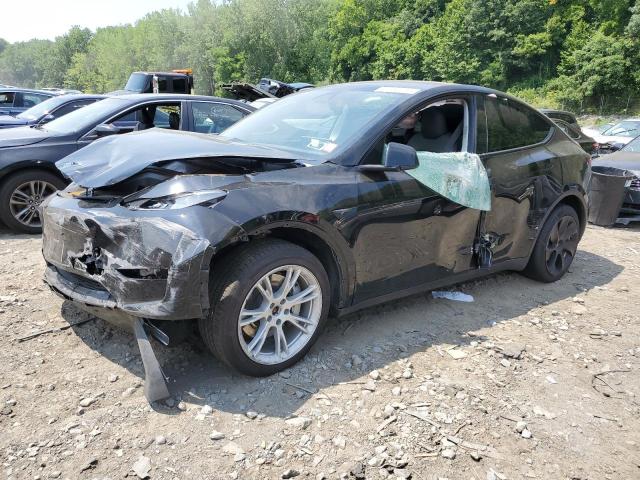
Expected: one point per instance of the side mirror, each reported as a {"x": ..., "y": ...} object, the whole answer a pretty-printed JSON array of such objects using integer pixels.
[
  {"x": 106, "y": 129},
  {"x": 398, "y": 156},
  {"x": 616, "y": 146},
  {"x": 47, "y": 118}
]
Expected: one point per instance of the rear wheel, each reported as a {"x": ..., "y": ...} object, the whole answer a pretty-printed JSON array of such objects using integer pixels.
[
  {"x": 21, "y": 195},
  {"x": 269, "y": 302},
  {"x": 556, "y": 246}
]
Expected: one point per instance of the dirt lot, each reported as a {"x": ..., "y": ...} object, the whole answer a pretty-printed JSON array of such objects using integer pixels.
[{"x": 529, "y": 381}]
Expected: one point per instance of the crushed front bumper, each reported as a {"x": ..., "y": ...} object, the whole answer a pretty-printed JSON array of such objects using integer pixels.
[{"x": 121, "y": 266}]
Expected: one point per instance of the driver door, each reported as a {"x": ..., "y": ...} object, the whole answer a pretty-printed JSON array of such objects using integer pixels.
[{"x": 405, "y": 235}]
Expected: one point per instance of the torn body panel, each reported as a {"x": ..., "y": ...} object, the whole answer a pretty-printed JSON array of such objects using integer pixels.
[{"x": 142, "y": 266}]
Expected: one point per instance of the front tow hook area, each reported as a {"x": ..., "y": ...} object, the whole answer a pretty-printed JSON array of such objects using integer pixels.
[{"x": 155, "y": 382}]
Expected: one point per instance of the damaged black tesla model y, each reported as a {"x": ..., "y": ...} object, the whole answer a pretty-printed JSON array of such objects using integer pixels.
[{"x": 326, "y": 201}]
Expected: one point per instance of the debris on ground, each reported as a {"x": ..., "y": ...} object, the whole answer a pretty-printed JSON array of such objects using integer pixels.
[
  {"x": 519, "y": 384},
  {"x": 457, "y": 296}
]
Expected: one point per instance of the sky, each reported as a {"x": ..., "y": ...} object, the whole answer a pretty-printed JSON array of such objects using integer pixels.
[{"x": 50, "y": 18}]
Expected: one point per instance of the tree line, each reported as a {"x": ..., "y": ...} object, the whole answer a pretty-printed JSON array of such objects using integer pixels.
[{"x": 582, "y": 55}]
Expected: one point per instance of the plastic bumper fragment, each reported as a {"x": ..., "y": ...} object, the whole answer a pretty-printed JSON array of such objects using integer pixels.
[
  {"x": 155, "y": 385},
  {"x": 144, "y": 267}
]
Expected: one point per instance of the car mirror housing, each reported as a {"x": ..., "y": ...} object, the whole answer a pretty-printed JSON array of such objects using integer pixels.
[
  {"x": 398, "y": 156},
  {"x": 105, "y": 129},
  {"x": 47, "y": 118}
]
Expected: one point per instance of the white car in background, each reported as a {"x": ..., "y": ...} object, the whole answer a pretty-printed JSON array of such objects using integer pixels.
[
  {"x": 262, "y": 102},
  {"x": 617, "y": 135}
]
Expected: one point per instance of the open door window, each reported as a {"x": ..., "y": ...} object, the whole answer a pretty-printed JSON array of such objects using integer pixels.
[{"x": 439, "y": 133}]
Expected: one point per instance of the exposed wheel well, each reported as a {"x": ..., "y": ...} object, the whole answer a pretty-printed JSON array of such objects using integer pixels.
[
  {"x": 4, "y": 175},
  {"x": 316, "y": 245},
  {"x": 574, "y": 202}
]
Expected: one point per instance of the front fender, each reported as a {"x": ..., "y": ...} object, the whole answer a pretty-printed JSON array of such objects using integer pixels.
[{"x": 322, "y": 231}]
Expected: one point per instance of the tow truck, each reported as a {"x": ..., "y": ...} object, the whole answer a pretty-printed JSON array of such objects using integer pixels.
[{"x": 175, "y": 81}]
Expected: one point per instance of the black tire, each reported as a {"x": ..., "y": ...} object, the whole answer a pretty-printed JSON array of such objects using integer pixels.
[
  {"x": 9, "y": 186},
  {"x": 556, "y": 246},
  {"x": 232, "y": 280}
]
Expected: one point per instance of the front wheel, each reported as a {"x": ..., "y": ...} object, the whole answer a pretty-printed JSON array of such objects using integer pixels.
[
  {"x": 269, "y": 302},
  {"x": 21, "y": 195},
  {"x": 556, "y": 246}
]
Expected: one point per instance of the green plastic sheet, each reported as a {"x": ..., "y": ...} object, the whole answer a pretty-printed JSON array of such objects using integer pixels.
[{"x": 458, "y": 176}]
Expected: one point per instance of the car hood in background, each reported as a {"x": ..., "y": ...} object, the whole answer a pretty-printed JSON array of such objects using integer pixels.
[
  {"x": 598, "y": 137},
  {"x": 621, "y": 159},
  {"x": 116, "y": 158},
  {"x": 7, "y": 121},
  {"x": 22, "y": 136}
]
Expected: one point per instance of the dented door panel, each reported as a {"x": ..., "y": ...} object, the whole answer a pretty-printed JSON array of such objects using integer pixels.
[{"x": 406, "y": 235}]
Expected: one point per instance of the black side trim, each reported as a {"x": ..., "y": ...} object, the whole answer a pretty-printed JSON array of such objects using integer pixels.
[{"x": 516, "y": 264}]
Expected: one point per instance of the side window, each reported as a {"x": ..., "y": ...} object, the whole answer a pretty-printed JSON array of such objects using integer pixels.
[
  {"x": 31, "y": 99},
  {"x": 162, "y": 85},
  {"x": 214, "y": 117},
  {"x": 6, "y": 99},
  {"x": 167, "y": 116},
  {"x": 126, "y": 118},
  {"x": 567, "y": 118},
  {"x": 150, "y": 116},
  {"x": 482, "y": 139},
  {"x": 70, "y": 107},
  {"x": 511, "y": 125},
  {"x": 566, "y": 128},
  {"x": 440, "y": 127},
  {"x": 179, "y": 85}
]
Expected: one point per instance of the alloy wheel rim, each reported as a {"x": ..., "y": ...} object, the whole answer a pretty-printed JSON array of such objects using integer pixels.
[
  {"x": 280, "y": 314},
  {"x": 26, "y": 199},
  {"x": 562, "y": 245}
]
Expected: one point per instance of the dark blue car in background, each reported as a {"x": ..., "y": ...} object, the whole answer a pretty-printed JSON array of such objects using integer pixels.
[
  {"x": 28, "y": 173},
  {"x": 16, "y": 100},
  {"x": 48, "y": 110}
]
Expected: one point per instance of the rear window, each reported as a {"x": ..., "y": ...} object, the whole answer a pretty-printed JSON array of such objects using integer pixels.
[
  {"x": 567, "y": 118},
  {"x": 138, "y": 82},
  {"x": 510, "y": 125},
  {"x": 179, "y": 85}
]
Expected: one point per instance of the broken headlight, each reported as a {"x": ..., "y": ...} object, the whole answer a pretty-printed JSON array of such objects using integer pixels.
[{"x": 206, "y": 198}]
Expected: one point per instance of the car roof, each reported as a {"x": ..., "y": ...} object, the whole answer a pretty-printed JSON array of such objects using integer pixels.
[
  {"x": 81, "y": 96},
  {"x": 301, "y": 85},
  {"x": 28, "y": 90},
  {"x": 174, "y": 74},
  {"x": 140, "y": 97},
  {"x": 553, "y": 110},
  {"x": 420, "y": 86}
]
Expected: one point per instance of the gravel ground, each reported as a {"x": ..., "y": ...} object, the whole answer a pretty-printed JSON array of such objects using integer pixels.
[{"x": 528, "y": 381}]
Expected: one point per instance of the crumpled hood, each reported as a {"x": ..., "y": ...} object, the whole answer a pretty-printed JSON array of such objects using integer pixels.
[
  {"x": 21, "y": 136},
  {"x": 113, "y": 159},
  {"x": 9, "y": 121}
]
